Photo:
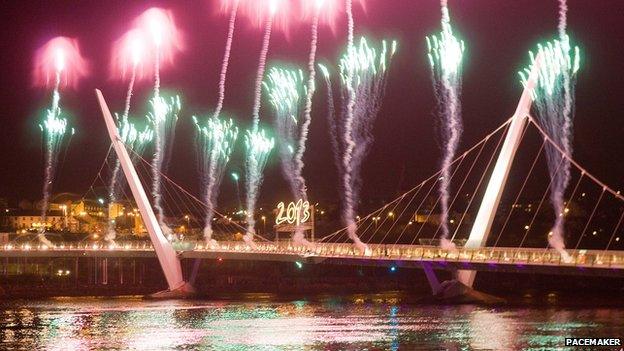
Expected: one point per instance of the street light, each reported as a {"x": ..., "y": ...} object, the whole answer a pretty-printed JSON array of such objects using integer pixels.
[
  {"x": 264, "y": 224},
  {"x": 236, "y": 177},
  {"x": 64, "y": 208}
]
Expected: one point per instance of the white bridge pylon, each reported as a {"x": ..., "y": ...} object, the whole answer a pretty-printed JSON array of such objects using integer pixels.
[
  {"x": 496, "y": 185},
  {"x": 167, "y": 256}
]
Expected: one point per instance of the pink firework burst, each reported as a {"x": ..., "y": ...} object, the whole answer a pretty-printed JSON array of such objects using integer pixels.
[
  {"x": 164, "y": 38},
  {"x": 59, "y": 59},
  {"x": 130, "y": 55}
]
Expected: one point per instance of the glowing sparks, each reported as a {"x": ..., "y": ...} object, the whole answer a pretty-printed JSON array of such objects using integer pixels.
[
  {"x": 284, "y": 88},
  {"x": 216, "y": 141},
  {"x": 554, "y": 99},
  {"x": 445, "y": 51},
  {"x": 134, "y": 136},
  {"x": 558, "y": 59},
  {"x": 54, "y": 128},
  {"x": 365, "y": 62}
]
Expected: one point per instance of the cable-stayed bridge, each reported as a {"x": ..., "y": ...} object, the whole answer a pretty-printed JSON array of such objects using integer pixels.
[{"x": 500, "y": 218}]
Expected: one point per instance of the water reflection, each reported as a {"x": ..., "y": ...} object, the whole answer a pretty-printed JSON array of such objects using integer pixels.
[{"x": 358, "y": 322}]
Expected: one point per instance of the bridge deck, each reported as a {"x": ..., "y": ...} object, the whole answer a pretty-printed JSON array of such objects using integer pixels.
[{"x": 583, "y": 262}]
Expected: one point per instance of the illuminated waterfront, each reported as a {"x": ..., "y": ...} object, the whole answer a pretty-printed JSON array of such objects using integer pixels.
[{"x": 265, "y": 322}]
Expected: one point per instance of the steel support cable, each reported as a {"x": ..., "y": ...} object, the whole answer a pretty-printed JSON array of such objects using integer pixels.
[
  {"x": 524, "y": 183},
  {"x": 496, "y": 151}
]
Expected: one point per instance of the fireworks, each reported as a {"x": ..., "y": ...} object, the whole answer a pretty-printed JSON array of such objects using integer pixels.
[
  {"x": 130, "y": 55},
  {"x": 59, "y": 61},
  {"x": 554, "y": 98},
  {"x": 226, "y": 56},
  {"x": 165, "y": 39},
  {"x": 286, "y": 90},
  {"x": 137, "y": 139},
  {"x": 558, "y": 59},
  {"x": 258, "y": 145},
  {"x": 133, "y": 136},
  {"x": 216, "y": 140},
  {"x": 363, "y": 71},
  {"x": 445, "y": 53},
  {"x": 163, "y": 117},
  {"x": 269, "y": 11},
  {"x": 59, "y": 64}
]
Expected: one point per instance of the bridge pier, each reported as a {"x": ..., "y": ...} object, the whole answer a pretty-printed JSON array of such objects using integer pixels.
[
  {"x": 496, "y": 185},
  {"x": 432, "y": 278}
]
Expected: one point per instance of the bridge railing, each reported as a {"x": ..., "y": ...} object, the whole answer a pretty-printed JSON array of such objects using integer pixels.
[{"x": 488, "y": 255}]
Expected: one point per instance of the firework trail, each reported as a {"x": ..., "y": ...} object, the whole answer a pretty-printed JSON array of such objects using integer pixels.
[
  {"x": 350, "y": 24},
  {"x": 59, "y": 58},
  {"x": 112, "y": 194},
  {"x": 259, "y": 146},
  {"x": 226, "y": 58},
  {"x": 286, "y": 90},
  {"x": 307, "y": 111},
  {"x": 260, "y": 74},
  {"x": 563, "y": 18},
  {"x": 54, "y": 127},
  {"x": 553, "y": 98},
  {"x": 363, "y": 72},
  {"x": 557, "y": 239},
  {"x": 445, "y": 53},
  {"x": 163, "y": 117},
  {"x": 217, "y": 139},
  {"x": 331, "y": 117},
  {"x": 128, "y": 55},
  {"x": 159, "y": 25},
  {"x": 349, "y": 210}
]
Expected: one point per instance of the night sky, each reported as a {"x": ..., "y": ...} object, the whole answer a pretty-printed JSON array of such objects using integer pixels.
[{"x": 497, "y": 33}]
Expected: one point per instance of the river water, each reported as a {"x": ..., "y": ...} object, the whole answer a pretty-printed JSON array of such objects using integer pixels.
[{"x": 263, "y": 322}]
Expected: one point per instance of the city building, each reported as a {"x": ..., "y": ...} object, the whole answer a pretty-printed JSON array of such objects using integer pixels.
[{"x": 31, "y": 220}]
